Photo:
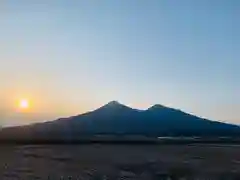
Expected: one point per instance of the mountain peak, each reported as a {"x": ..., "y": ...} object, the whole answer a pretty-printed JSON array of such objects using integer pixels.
[
  {"x": 156, "y": 107},
  {"x": 113, "y": 103}
]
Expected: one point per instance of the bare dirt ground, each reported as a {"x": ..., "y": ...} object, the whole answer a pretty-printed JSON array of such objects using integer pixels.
[{"x": 98, "y": 161}]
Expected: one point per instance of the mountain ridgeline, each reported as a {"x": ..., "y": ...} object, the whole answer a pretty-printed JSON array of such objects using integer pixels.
[{"x": 117, "y": 119}]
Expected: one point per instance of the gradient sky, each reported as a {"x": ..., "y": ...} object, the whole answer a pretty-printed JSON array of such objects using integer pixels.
[{"x": 68, "y": 57}]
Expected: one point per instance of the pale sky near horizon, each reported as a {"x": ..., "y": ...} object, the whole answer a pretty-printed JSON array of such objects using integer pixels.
[{"x": 68, "y": 57}]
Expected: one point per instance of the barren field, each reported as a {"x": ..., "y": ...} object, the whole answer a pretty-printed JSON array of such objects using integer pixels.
[{"x": 106, "y": 161}]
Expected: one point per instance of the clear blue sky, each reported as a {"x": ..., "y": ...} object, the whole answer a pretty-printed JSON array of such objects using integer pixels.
[{"x": 68, "y": 57}]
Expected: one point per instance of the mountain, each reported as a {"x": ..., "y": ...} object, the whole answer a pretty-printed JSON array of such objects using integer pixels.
[{"x": 115, "y": 118}]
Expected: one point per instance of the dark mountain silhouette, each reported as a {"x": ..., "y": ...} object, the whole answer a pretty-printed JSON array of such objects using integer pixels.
[{"x": 117, "y": 119}]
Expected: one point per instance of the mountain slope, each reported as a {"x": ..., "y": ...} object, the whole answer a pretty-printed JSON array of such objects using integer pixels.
[{"x": 115, "y": 118}]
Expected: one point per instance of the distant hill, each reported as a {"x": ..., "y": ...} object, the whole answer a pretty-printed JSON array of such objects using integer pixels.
[{"x": 117, "y": 119}]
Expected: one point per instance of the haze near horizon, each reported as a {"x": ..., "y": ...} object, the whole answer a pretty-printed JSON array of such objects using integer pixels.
[{"x": 63, "y": 58}]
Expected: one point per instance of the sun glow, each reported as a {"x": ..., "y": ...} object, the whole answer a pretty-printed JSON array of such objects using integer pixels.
[{"x": 23, "y": 104}]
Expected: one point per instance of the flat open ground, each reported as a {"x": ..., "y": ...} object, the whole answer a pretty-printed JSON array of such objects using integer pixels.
[{"x": 106, "y": 161}]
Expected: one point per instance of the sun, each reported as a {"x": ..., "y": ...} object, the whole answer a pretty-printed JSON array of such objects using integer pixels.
[{"x": 23, "y": 104}]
